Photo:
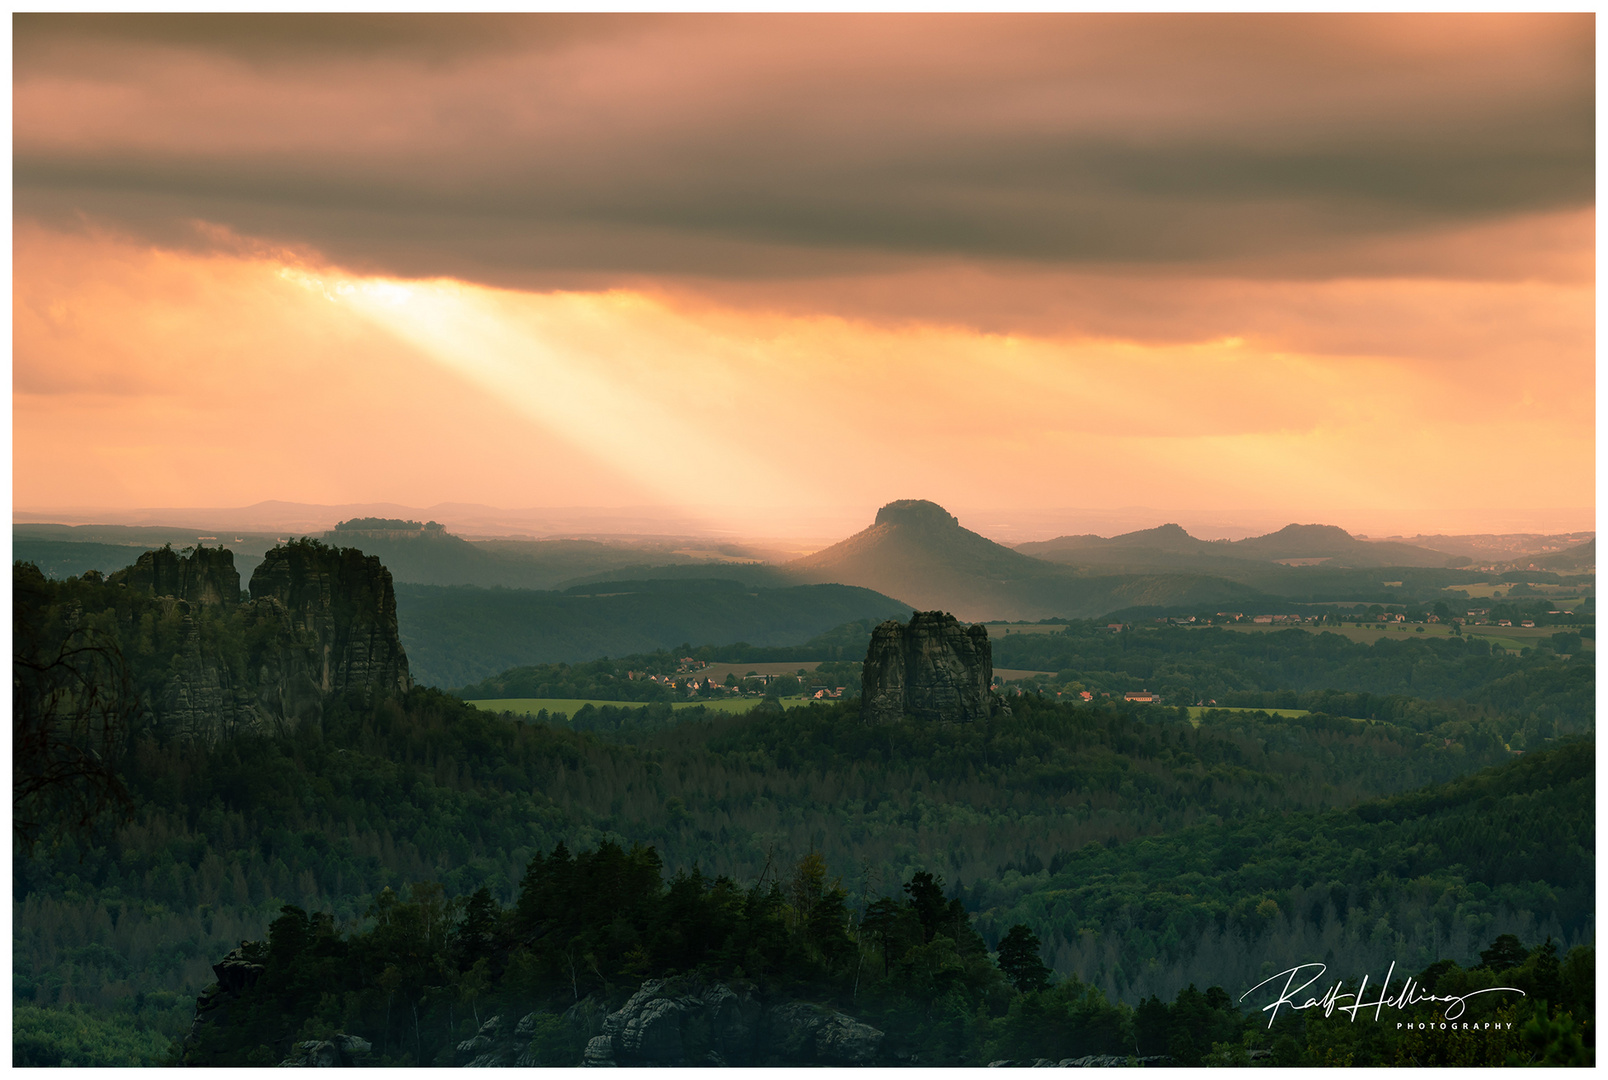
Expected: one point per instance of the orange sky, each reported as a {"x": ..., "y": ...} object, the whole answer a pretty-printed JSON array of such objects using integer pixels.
[{"x": 741, "y": 266}]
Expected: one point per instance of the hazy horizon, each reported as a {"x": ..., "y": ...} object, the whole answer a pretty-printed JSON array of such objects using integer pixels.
[{"x": 1004, "y": 525}]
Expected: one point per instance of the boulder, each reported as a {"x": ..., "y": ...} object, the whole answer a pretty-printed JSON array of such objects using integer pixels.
[
  {"x": 803, "y": 1033},
  {"x": 343, "y": 1051},
  {"x": 679, "y": 1021}
]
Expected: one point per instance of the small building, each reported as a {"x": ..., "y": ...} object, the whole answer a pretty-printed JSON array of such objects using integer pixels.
[{"x": 1144, "y": 697}]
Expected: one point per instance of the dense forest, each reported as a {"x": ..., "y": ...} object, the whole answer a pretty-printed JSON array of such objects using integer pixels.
[
  {"x": 458, "y": 636},
  {"x": 840, "y": 650},
  {"x": 1554, "y": 692},
  {"x": 1097, "y": 864},
  {"x": 587, "y": 929},
  {"x": 381, "y": 795}
]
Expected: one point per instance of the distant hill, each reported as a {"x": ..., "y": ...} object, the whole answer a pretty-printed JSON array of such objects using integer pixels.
[
  {"x": 425, "y": 555},
  {"x": 455, "y": 636},
  {"x": 919, "y": 552},
  {"x": 1332, "y": 543},
  {"x": 1486, "y": 549},
  {"x": 1168, "y": 538},
  {"x": 1583, "y": 557},
  {"x": 1169, "y": 546}
]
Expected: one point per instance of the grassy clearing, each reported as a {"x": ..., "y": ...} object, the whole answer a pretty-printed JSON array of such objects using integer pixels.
[
  {"x": 1013, "y": 674},
  {"x": 1196, "y": 711},
  {"x": 571, "y": 706}
]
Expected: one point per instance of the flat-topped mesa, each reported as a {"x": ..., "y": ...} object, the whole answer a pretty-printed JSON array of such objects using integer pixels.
[
  {"x": 931, "y": 669},
  {"x": 345, "y": 600},
  {"x": 917, "y": 512},
  {"x": 206, "y": 577}
]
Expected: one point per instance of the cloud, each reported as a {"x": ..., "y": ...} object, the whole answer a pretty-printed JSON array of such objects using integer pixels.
[
  {"x": 223, "y": 379},
  {"x": 580, "y": 150}
]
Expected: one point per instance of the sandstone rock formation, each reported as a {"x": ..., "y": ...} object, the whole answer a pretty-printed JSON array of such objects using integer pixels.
[
  {"x": 345, "y": 600},
  {"x": 237, "y": 973},
  {"x": 688, "y": 1022},
  {"x": 1089, "y": 1061},
  {"x": 206, "y": 577},
  {"x": 206, "y": 697},
  {"x": 206, "y": 664},
  {"x": 931, "y": 669},
  {"x": 339, "y": 1050}
]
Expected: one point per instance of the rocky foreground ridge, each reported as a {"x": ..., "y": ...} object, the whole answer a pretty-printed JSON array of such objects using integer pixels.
[
  {"x": 932, "y": 668},
  {"x": 685, "y": 1021},
  {"x": 207, "y": 661}
]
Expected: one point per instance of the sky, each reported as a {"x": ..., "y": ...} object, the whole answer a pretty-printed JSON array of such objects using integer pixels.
[{"x": 1332, "y": 268}]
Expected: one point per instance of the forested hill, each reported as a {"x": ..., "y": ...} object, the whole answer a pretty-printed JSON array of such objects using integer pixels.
[
  {"x": 458, "y": 636},
  {"x": 1143, "y": 847},
  {"x": 425, "y": 788},
  {"x": 1291, "y": 668},
  {"x": 587, "y": 929},
  {"x": 1142, "y": 852}
]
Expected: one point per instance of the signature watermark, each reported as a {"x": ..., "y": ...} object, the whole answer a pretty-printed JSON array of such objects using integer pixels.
[{"x": 1335, "y": 999}]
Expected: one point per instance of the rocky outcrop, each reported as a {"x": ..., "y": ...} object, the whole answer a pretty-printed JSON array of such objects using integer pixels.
[
  {"x": 203, "y": 577},
  {"x": 804, "y": 1032},
  {"x": 1091, "y": 1061},
  {"x": 685, "y": 1021},
  {"x": 339, "y": 1050},
  {"x": 237, "y": 973},
  {"x": 680, "y": 1021},
  {"x": 210, "y": 694},
  {"x": 345, "y": 601},
  {"x": 930, "y": 669},
  {"x": 206, "y": 664}
]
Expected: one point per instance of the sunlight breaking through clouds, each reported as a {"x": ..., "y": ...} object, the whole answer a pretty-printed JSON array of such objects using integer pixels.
[{"x": 649, "y": 421}]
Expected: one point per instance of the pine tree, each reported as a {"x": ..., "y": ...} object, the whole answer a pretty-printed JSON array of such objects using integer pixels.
[{"x": 1019, "y": 960}]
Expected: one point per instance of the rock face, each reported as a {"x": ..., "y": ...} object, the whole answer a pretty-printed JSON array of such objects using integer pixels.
[
  {"x": 931, "y": 669},
  {"x": 237, "y": 973},
  {"x": 1091, "y": 1061},
  {"x": 339, "y": 1050},
  {"x": 206, "y": 577},
  {"x": 684, "y": 1021},
  {"x": 207, "y": 663},
  {"x": 207, "y": 696},
  {"x": 345, "y": 601}
]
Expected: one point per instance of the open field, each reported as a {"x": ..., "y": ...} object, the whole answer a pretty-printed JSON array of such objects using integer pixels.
[
  {"x": 1012, "y": 674},
  {"x": 1197, "y": 711},
  {"x": 571, "y": 706}
]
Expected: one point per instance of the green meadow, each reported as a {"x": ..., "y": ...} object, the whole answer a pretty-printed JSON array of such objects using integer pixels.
[{"x": 571, "y": 706}]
